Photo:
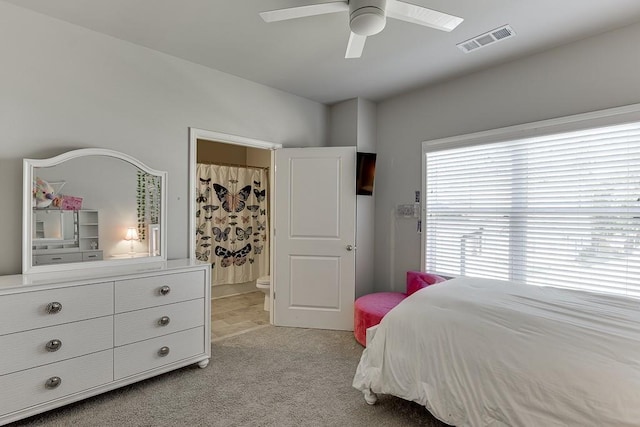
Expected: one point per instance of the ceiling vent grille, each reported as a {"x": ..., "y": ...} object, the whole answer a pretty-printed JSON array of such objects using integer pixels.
[{"x": 486, "y": 39}]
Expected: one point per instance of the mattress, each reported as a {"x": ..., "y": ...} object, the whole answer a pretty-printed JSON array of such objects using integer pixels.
[{"x": 479, "y": 352}]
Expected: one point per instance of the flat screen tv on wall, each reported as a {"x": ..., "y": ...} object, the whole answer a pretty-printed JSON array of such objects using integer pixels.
[{"x": 365, "y": 172}]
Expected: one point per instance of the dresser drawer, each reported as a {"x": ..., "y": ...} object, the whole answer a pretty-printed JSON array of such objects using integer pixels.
[
  {"x": 26, "y": 388},
  {"x": 24, "y": 350},
  {"x": 31, "y": 310},
  {"x": 57, "y": 258},
  {"x": 134, "y": 294},
  {"x": 152, "y": 322},
  {"x": 144, "y": 355},
  {"x": 92, "y": 256}
]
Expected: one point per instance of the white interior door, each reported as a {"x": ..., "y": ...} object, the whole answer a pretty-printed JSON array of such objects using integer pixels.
[{"x": 314, "y": 253}]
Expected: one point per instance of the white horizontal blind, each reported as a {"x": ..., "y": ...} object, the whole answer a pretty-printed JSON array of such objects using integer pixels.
[{"x": 560, "y": 210}]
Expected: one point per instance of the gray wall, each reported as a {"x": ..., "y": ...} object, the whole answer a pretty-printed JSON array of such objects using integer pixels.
[
  {"x": 366, "y": 236},
  {"x": 343, "y": 123},
  {"x": 63, "y": 87},
  {"x": 353, "y": 123},
  {"x": 592, "y": 74}
]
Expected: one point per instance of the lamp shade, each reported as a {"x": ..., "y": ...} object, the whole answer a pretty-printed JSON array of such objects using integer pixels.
[{"x": 132, "y": 234}]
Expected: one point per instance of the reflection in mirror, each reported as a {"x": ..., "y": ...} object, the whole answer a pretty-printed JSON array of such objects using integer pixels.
[
  {"x": 52, "y": 226},
  {"x": 80, "y": 205}
]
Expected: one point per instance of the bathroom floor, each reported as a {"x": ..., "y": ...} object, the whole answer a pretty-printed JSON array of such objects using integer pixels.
[{"x": 237, "y": 314}]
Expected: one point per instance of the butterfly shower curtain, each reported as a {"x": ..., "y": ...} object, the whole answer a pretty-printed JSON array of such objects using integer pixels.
[{"x": 232, "y": 222}]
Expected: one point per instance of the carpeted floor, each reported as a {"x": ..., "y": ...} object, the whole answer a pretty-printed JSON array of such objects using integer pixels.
[{"x": 267, "y": 377}]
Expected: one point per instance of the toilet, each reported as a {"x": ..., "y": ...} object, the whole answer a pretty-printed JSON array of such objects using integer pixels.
[{"x": 264, "y": 284}]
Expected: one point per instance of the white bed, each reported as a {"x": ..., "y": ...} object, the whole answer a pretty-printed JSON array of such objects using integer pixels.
[{"x": 479, "y": 352}]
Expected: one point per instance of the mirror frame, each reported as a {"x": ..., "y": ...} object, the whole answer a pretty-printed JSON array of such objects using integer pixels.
[{"x": 28, "y": 166}]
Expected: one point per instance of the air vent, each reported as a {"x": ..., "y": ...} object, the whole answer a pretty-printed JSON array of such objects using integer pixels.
[{"x": 486, "y": 39}]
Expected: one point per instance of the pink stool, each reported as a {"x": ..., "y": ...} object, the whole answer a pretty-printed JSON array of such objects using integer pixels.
[{"x": 370, "y": 309}]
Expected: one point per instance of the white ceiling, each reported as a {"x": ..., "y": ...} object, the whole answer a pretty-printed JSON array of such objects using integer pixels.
[{"x": 306, "y": 56}]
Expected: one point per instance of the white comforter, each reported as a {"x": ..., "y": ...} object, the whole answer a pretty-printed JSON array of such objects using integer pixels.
[{"x": 481, "y": 352}]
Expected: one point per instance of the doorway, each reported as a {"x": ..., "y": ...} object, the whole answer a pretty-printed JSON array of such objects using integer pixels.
[
  {"x": 230, "y": 225},
  {"x": 307, "y": 178}
]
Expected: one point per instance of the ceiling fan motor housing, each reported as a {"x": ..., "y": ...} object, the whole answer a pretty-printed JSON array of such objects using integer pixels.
[{"x": 367, "y": 17}]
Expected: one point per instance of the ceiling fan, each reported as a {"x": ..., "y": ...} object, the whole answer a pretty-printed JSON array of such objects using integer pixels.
[{"x": 368, "y": 17}]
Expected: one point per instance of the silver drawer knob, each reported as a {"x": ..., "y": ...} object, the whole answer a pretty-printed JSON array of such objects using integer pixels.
[
  {"x": 54, "y": 307},
  {"x": 53, "y": 382},
  {"x": 165, "y": 290},
  {"x": 163, "y": 351},
  {"x": 54, "y": 345},
  {"x": 164, "y": 321}
]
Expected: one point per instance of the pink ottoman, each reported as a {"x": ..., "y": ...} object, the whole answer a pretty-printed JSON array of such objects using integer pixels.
[{"x": 370, "y": 309}]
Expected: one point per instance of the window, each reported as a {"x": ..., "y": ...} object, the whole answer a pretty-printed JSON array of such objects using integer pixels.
[{"x": 560, "y": 210}]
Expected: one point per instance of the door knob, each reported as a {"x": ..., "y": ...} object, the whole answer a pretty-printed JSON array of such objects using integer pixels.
[{"x": 351, "y": 248}]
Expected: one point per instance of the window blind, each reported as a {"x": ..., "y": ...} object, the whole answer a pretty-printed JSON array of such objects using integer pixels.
[{"x": 559, "y": 210}]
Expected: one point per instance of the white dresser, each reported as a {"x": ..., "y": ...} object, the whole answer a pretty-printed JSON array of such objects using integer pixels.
[{"x": 68, "y": 336}]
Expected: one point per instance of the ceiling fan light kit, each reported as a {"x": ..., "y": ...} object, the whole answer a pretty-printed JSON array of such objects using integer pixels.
[{"x": 368, "y": 17}]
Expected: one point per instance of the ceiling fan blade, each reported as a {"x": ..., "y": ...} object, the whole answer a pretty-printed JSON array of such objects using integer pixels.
[
  {"x": 303, "y": 11},
  {"x": 422, "y": 16},
  {"x": 355, "y": 46}
]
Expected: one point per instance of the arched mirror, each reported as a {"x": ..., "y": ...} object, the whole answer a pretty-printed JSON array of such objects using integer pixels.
[{"x": 91, "y": 207}]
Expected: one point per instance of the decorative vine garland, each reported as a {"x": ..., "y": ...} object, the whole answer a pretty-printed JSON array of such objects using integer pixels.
[{"x": 148, "y": 201}]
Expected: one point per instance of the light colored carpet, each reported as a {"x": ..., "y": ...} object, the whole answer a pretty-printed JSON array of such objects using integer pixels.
[{"x": 267, "y": 377}]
